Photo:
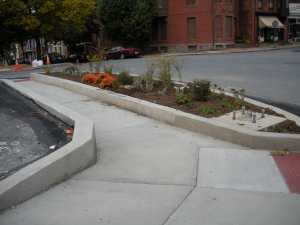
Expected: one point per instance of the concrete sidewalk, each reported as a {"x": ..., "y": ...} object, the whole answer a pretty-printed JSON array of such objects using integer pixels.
[
  {"x": 263, "y": 48},
  {"x": 152, "y": 174}
]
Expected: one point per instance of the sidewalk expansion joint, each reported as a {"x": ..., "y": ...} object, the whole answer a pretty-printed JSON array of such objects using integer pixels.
[
  {"x": 133, "y": 182},
  {"x": 69, "y": 102},
  {"x": 246, "y": 190},
  {"x": 189, "y": 193}
]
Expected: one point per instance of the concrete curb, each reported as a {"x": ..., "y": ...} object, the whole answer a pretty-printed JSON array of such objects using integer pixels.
[
  {"x": 56, "y": 167},
  {"x": 230, "y": 51},
  {"x": 210, "y": 127}
]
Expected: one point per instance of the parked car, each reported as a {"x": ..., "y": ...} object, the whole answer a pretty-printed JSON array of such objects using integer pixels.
[
  {"x": 76, "y": 57},
  {"x": 122, "y": 53}
]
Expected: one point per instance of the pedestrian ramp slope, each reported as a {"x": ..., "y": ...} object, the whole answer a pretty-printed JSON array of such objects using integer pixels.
[{"x": 152, "y": 173}]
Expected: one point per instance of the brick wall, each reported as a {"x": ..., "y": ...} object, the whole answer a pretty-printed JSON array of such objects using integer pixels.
[{"x": 215, "y": 23}]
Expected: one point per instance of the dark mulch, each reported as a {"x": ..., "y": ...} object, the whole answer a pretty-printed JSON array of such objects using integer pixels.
[
  {"x": 221, "y": 104},
  {"x": 288, "y": 126}
]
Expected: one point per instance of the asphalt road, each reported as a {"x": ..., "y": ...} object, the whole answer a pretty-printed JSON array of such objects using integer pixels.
[{"x": 272, "y": 76}]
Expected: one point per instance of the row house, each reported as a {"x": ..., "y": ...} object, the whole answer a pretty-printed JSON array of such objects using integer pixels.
[
  {"x": 27, "y": 52},
  {"x": 263, "y": 20},
  {"x": 193, "y": 25},
  {"x": 294, "y": 20}
]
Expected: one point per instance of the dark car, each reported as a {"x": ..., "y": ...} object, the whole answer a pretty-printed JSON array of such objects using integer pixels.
[
  {"x": 76, "y": 57},
  {"x": 122, "y": 53}
]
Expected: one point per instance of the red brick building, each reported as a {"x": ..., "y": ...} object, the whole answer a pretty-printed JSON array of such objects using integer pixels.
[
  {"x": 263, "y": 20},
  {"x": 192, "y": 25}
]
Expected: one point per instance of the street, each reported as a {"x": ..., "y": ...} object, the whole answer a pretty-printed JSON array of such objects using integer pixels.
[{"x": 272, "y": 76}]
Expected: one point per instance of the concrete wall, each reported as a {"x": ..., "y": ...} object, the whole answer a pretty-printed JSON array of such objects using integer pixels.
[{"x": 56, "y": 167}]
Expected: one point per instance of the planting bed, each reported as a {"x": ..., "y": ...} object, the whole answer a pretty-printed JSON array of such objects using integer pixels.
[
  {"x": 214, "y": 106},
  {"x": 27, "y": 132}
]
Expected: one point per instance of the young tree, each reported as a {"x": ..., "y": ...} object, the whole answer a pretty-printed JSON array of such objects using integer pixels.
[
  {"x": 52, "y": 20},
  {"x": 127, "y": 21}
]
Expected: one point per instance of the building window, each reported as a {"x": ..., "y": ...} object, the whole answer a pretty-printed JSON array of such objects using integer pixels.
[
  {"x": 191, "y": 28},
  {"x": 218, "y": 27},
  {"x": 162, "y": 30},
  {"x": 190, "y": 2},
  {"x": 161, "y": 4},
  {"x": 271, "y": 4},
  {"x": 259, "y": 4},
  {"x": 228, "y": 26}
]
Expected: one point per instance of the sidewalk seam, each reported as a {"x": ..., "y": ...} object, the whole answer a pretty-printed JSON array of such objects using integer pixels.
[
  {"x": 132, "y": 182},
  {"x": 188, "y": 194}
]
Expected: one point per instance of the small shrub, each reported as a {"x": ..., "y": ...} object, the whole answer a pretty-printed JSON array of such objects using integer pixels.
[
  {"x": 144, "y": 83},
  {"x": 94, "y": 59},
  {"x": 231, "y": 105},
  {"x": 166, "y": 66},
  {"x": 208, "y": 111},
  {"x": 148, "y": 82},
  {"x": 148, "y": 77},
  {"x": 138, "y": 83},
  {"x": 184, "y": 99},
  {"x": 165, "y": 72},
  {"x": 124, "y": 78},
  {"x": 200, "y": 90},
  {"x": 115, "y": 85}
]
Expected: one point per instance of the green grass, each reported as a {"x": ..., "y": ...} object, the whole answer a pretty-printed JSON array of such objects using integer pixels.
[{"x": 207, "y": 110}]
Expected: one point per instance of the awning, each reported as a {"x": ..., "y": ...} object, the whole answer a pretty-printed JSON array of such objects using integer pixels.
[{"x": 270, "y": 22}]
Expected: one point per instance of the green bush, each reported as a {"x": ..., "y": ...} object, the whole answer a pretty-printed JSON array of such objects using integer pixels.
[
  {"x": 184, "y": 99},
  {"x": 115, "y": 85},
  {"x": 96, "y": 61},
  {"x": 124, "y": 78},
  {"x": 200, "y": 89},
  {"x": 166, "y": 67},
  {"x": 165, "y": 71},
  {"x": 207, "y": 110},
  {"x": 231, "y": 105}
]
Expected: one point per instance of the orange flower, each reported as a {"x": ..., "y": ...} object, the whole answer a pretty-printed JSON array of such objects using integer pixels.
[
  {"x": 106, "y": 80},
  {"x": 90, "y": 78}
]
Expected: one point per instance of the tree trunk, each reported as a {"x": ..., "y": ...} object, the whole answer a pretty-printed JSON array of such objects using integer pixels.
[{"x": 38, "y": 48}]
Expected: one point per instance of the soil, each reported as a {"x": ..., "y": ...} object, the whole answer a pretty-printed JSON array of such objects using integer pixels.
[
  {"x": 216, "y": 105},
  {"x": 288, "y": 126},
  {"x": 221, "y": 104}
]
